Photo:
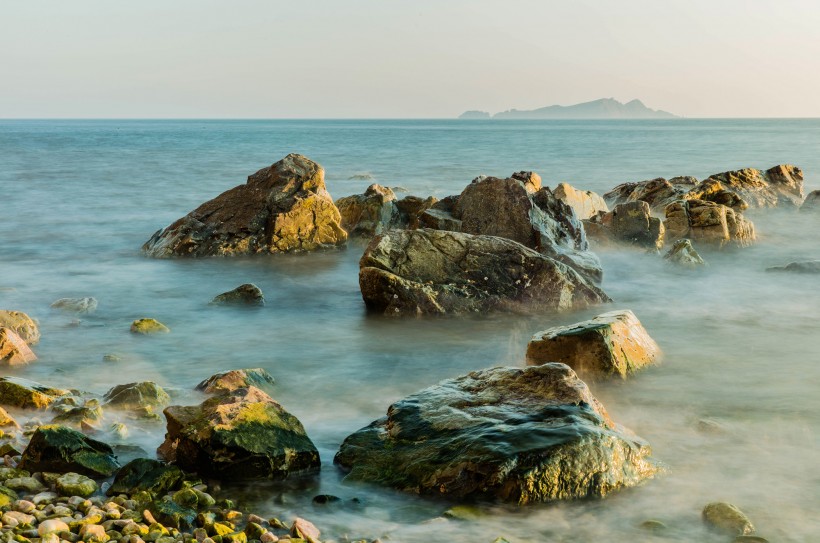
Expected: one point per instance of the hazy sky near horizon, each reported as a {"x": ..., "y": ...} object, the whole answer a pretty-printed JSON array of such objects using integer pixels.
[{"x": 419, "y": 58}]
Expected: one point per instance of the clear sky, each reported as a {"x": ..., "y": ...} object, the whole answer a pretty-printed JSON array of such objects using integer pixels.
[{"x": 413, "y": 58}]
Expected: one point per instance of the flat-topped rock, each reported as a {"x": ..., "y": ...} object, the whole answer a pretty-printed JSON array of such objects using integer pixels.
[
  {"x": 282, "y": 208},
  {"x": 417, "y": 272},
  {"x": 612, "y": 344},
  {"x": 517, "y": 435}
]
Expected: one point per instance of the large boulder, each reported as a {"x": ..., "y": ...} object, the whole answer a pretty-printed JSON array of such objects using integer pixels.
[
  {"x": 241, "y": 435},
  {"x": 657, "y": 193},
  {"x": 282, "y": 208},
  {"x": 633, "y": 223},
  {"x": 611, "y": 344},
  {"x": 517, "y": 435},
  {"x": 708, "y": 222},
  {"x": 13, "y": 350},
  {"x": 22, "y": 393},
  {"x": 781, "y": 185},
  {"x": 414, "y": 272},
  {"x": 22, "y": 325},
  {"x": 60, "y": 449},
  {"x": 231, "y": 380},
  {"x": 370, "y": 213},
  {"x": 585, "y": 203}
]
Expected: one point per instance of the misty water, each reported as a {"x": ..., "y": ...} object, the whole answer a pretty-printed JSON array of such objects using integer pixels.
[{"x": 80, "y": 197}]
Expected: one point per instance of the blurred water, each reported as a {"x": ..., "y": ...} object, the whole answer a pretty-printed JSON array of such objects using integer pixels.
[{"x": 80, "y": 197}]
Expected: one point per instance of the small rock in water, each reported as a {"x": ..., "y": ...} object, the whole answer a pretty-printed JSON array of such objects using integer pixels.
[
  {"x": 683, "y": 254},
  {"x": 653, "y": 525},
  {"x": 324, "y": 499},
  {"x": 727, "y": 518},
  {"x": 76, "y": 305},
  {"x": 247, "y": 294},
  {"x": 808, "y": 266},
  {"x": 148, "y": 326},
  {"x": 750, "y": 539},
  {"x": 111, "y": 358}
]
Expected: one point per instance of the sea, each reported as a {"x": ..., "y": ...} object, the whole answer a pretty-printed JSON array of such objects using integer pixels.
[{"x": 733, "y": 411}]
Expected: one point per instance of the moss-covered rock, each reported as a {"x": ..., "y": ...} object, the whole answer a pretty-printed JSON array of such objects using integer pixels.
[
  {"x": 62, "y": 449},
  {"x": 518, "y": 435},
  {"x": 6, "y": 420},
  {"x": 146, "y": 475},
  {"x": 148, "y": 326},
  {"x": 23, "y": 325},
  {"x": 17, "y": 392},
  {"x": 169, "y": 513},
  {"x": 241, "y": 435},
  {"x": 74, "y": 484},
  {"x": 137, "y": 396},
  {"x": 727, "y": 518},
  {"x": 7, "y": 496},
  {"x": 89, "y": 414},
  {"x": 247, "y": 294},
  {"x": 228, "y": 381}
]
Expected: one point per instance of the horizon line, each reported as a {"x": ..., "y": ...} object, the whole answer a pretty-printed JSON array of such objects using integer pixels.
[{"x": 492, "y": 119}]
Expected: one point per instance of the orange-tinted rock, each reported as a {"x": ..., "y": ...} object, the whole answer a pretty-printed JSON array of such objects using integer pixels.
[{"x": 13, "y": 350}]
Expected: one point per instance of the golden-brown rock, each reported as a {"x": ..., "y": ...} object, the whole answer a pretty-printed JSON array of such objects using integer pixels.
[
  {"x": 611, "y": 344},
  {"x": 13, "y": 350},
  {"x": 370, "y": 213},
  {"x": 23, "y": 325},
  {"x": 658, "y": 193},
  {"x": 282, "y": 208},
  {"x": 586, "y": 203},
  {"x": 708, "y": 222}
]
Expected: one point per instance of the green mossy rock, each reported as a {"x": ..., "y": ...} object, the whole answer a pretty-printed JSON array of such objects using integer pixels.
[
  {"x": 7, "y": 497},
  {"x": 228, "y": 381},
  {"x": 148, "y": 326},
  {"x": 727, "y": 518},
  {"x": 169, "y": 513},
  {"x": 90, "y": 413},
  {"x": 516, "y": 435},
  {"x": 74, "y": 484},
  {"x": 146, "y": 475},
  {"x": 17, "y": 392},
  {"x": 136, "y": 396},
  {"x": 242, "y": 435},
  {"x": 61, "y": 449}
]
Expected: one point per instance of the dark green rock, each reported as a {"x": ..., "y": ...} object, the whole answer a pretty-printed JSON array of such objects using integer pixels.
[
  {"x": 169, "y": 513},
  {"x": 247, "y": 294},
  {"x": 146, "y": 475},
  {"x": 518, "y": 435},
  {"x": 61, "y": 449},
  {"x": 241, "y": 435}
]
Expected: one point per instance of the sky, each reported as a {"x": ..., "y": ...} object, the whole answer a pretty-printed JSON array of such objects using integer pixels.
[{"x": 404, "y": 59}]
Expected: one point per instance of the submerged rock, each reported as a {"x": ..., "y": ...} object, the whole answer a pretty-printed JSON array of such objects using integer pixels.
[
  {"x": 657, "y": 193},
  {"x": 148, "y": 326},
  {"x": 683, "y": 254},
  {"x": 76, "y": 305},
  {"x": 282, "y": 208},
  {"x": 812, "y": 201},
  {"x": 18, "y": 392},
  {"x": 370, "y": 213},
  {"x": 517, "y": 435},
  {"x": 247, "y": 294},
  {"x": 229, "y": 381},
  {"x": 146, "y": 475},
  {"x": 807, "y": 266},
  {"x": 241, "y": 435},
  {"x": 13, "y": 350},
  {"x": 417, "y": 272},
  {"x": 727, "y": 518},
  {"x": 633, "y": 223},
  {"x": 60, "y": 449},
  {"x": 708, "y": 222},
  {"x": 585, "y": 203},
  {"x": 87, "y": 415},
  {"x": 22, "y": 325},
  {"x": 611, "y": 344},
  {"x": 137, "y": 396}
]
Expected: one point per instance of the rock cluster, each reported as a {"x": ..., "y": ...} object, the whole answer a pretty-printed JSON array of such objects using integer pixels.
[{"x": 708, "y": 222}]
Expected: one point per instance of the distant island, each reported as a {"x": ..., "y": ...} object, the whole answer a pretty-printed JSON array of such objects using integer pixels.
[{"x": 605, "y": 108}]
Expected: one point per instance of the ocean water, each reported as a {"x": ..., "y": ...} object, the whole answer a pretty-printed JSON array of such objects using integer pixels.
[{"x": 80, "y": 197}]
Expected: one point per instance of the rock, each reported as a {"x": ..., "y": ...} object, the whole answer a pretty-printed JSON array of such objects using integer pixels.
[
  {"x": 52, "y": 526},
  {"x": 516, "y": 435},
  {"x": 727, "y": 518},
  {"x": 404, "y": 272},
  {"x": 808, "y": 266},
  {"x": 517, "y": 208},
  {"x": 683, "y": 254},
  {"x": 74, "y": 484},
  {"x": 22, "y": 393},
  {"x": 241, "y": 435},
  {"x": 749, "y": 539},
  {"x": 89, "y": 414},
  {"x": 657, "y": 193},
  {"x": 13, "y": 350},
  {"x": 93, "y": 533},
  {"x": 282, "y": 208},
  {"x": 169, "y": 513},
  {"x": 137, "y": 397},
  {"x": 708, "y": 222},
  {"x": 229, "y": 381},
  {"x": 7, "y": 497},
  {"x": 585, "y": 203},
  {"x": 370, "y": 213},
  {"x": 781, "y": 185},
  {"x": 23, "y": 325},
  {"x": 439, "y": 219},
  {"x": 653, "y": 525},
  {"x": 76, "y": 305},
  {"x": 60, "y": 449},
  {"x": 247, "y": 294},
  {"x": 611, "y": 344},
  {"x": 812, "y": 201},
  {"x": 28, "y": 485},
  {"x": 411, "y": 207},
  {"x": 148, "y": 326},
  {"x": 633, "y": 223},
  {"x": 304, "y": 529},
  {"x": 6, "y": 420},
  {"x": 146, "y": 475}
]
